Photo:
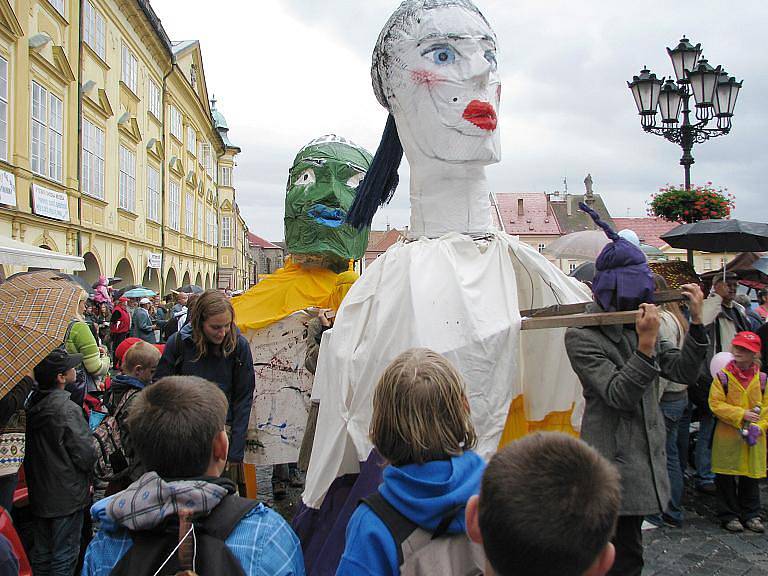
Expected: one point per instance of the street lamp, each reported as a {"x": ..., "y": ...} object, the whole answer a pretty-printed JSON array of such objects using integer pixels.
[{"x": 713, "y": 91}]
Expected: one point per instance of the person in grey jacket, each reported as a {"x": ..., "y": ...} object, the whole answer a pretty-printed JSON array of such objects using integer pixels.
[
  {"x": 141, "y": 323},
  {"x": 60, "y": 456},
  {"x": 618, "y": 367}
]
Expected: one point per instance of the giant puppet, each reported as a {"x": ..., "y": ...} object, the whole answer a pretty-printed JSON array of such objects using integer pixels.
[
  {"x": 272, "y": 315},
  {"x": 457, "y": 286}
]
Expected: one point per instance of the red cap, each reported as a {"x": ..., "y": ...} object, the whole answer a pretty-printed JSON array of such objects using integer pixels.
[
  {"x": 122, "y": 348},
  {"x": 748, "y": 340},
  {"x": 122, "y": 299}
]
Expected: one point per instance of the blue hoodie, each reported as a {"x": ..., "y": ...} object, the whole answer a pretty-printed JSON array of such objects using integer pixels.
[{"x": 423, "y": 493}]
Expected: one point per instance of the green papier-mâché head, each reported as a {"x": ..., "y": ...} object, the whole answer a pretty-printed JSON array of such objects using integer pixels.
[{"x": 321, "y": 188}]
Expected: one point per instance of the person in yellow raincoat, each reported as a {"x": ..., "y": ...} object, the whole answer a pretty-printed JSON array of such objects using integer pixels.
[{"x": 738, "y": 401}]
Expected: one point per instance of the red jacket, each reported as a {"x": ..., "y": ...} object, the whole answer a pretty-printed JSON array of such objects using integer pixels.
[{"x": 120, "y": 322}]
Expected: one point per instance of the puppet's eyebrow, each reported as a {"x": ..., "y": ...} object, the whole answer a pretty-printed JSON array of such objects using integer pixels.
[{"x": 442, "y": 36}]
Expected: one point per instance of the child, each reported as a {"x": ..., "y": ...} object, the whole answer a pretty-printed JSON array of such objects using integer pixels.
[
  {"x": 421, "y": 425},
  {"x": 59, "y": 459},
  {"x": 737, "y": 399},
  {"x": 179, "y": 428},
  {"x": 138, "y": 367},
  {"x": 548, "y": 507}
]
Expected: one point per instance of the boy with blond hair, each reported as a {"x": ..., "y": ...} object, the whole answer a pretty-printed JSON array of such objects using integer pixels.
[{"x": 548, "y": 507}]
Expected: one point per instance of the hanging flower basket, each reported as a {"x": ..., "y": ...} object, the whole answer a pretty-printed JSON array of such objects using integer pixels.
[{"x": 676, "y": 204}]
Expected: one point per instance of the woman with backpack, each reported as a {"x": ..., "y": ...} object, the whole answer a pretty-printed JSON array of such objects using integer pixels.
[
  {"x": 422, "y": 427},
  {"x": 210, "y": 346}
]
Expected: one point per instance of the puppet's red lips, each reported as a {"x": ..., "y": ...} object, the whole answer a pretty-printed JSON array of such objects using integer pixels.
[{"x": 481, "y": 114}]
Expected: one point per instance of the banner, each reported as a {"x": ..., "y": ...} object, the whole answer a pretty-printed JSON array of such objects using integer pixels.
[
  {"x": 7, "y": 188},
  {"x": 47, "y": 202},
  {"x": 155, "y": 260}
]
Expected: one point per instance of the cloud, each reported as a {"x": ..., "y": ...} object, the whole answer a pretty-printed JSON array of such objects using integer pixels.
[{"x": 286, "y": 71}]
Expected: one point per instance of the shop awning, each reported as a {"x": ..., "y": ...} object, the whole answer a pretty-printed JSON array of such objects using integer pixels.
[{"x": 15, "y": 253}]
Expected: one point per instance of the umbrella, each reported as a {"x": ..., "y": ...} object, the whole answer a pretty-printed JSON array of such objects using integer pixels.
[
  {"x": 35, "y": 311},
  {"x": 761, "y": 265},
  {"x": 584, "y": 245},
  {"x": 651, "y": 252},
  {"x": 140, "y": 292},
  {"x": 719, "y": 236},
  {"x": 110, "y": 281},
  {"x": 584, "y": 272},
  {"x": 79, "y": 281},
  {"x": 191, "y": 289}
]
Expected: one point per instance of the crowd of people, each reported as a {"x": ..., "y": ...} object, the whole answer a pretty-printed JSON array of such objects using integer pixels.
[{"x": 180, "y": 413}]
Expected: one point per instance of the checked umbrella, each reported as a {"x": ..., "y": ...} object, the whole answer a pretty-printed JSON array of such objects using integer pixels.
[{"x": 35, "y": 311}]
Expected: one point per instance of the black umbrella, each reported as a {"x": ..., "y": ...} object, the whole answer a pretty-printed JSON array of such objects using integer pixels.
[
  {"x": 191, "y": 289},
  {"x": 80, "y": 281},
  {"x": 719, "y": 236},
  {"x": 110, "y": 281},
  {"x": 584, "y": 272}
]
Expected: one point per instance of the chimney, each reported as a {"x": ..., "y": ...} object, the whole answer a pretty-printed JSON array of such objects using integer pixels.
[{"x": 520, "y": 207}]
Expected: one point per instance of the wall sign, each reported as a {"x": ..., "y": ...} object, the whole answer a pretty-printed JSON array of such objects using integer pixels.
[
  {"x": 47, "y": 202},
  {"x": 7, "y": 188}
]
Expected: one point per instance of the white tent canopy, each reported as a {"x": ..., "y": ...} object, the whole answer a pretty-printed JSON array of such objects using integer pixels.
[{"x": 15, "y": 253}]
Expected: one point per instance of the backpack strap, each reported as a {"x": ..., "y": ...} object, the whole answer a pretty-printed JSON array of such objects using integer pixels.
[
  {"x": 763, "y": 379},
  {"x": 723, "y": 378},
  {"x": 398, "y": 525},
  {"x": 223, "y": 519},
  {"x": 445, "y": 522}
]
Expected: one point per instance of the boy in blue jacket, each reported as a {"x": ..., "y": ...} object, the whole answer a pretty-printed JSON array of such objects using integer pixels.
[{"x": 421, "y": 425}]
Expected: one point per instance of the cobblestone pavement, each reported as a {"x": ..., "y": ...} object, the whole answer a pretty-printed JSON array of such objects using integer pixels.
[{"x": 702, "y": 547}]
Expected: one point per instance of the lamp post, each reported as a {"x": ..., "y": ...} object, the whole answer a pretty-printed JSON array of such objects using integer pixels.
[
  {"x": 713, "y": 91},
  {"x": 714, "y": 94}
]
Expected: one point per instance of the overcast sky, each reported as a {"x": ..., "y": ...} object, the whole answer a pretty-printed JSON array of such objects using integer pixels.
[{"x": 287, "y": 71}]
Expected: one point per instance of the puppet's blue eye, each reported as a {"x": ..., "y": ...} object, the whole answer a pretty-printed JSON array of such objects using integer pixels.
[
  {"x": 443, "y": 55},
  {"x": 490, "y": 55}
]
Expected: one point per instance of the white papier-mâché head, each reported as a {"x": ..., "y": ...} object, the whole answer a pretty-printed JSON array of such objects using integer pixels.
[{"x": 434, "y": 69}]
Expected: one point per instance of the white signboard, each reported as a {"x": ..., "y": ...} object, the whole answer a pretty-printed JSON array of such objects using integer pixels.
[
  {"x": 47, "y": 202},
  {"x": 283, "y": 389},
  {"x": 155, "y": 260},
  {"x": 7, "y": 188}
]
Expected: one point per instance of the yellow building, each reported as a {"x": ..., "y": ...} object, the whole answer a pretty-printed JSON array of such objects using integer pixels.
[
  {"x": 108, "y": 152},
  {"x": 234, "y": 253}
]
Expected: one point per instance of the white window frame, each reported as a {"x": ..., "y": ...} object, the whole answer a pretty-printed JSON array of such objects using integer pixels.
[
  {"x": 58, "y": 5},
  {"x": 572, "y": 266},
  {"x": 47, "y": 137},
  {"x": 226, "y": 232},
  {"x": 225, "y": 176},
  {"x": 94, "y": 29},
  {"x": 93, "y": 160},
  {"x": 189, "y": 214},
  {"x": 541, "y": 247},
  {"x": 209, "y": 226},
  {"x": 174, "y": 201},
  {"x": 130, "y": 69},
  {"x": 175, "y": 123},
  {"x": 153, "y": 194},
  {"x": 126, "y": 195},
  {"x": 3, "y": 109},
  {"x": 154, "y": 98},
  {"x": 191, "y": 140},
  {"x": 200, "y": 221}
]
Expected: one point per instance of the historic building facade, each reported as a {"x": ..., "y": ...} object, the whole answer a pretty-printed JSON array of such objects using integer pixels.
[{"x": 108, "y": 149}]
